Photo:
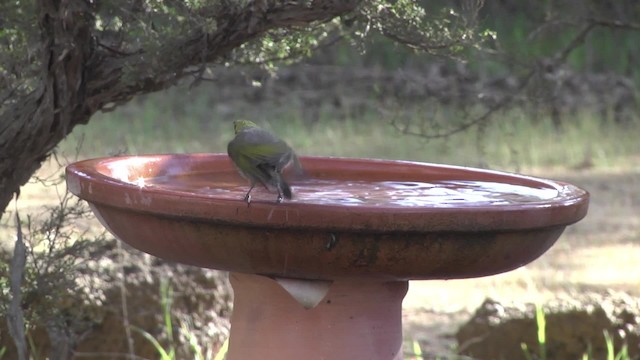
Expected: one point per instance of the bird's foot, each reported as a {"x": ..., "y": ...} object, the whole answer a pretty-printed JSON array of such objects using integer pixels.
[
  {"x": 279, "y": 199},
  {"x": 247, "y": 198}
]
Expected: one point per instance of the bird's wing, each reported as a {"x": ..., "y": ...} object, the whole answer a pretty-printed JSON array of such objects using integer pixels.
[
  {"x": 262, "y": 147},
  {"x": 257, "y": 158},
  {"x": 247, "y": 167}
]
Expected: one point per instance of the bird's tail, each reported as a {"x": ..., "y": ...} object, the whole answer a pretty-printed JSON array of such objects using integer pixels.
[
  {"x": 298, "y": 171},
  {"x": 286, "y": 189}
]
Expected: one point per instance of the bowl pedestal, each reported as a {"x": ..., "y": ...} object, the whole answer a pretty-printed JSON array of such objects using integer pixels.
[{"x": 355, "y": 319}]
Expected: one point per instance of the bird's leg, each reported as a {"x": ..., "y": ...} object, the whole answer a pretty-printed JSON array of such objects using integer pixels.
[
  {"x": 247, "y": 197},
  {"x": 280, "y": 197}
]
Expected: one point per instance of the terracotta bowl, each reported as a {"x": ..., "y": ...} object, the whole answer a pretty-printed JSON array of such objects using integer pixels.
[{"x": 184, "y": 217}]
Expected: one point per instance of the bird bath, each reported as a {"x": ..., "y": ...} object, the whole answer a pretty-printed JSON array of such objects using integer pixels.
[{"x": 323, "y": 276}]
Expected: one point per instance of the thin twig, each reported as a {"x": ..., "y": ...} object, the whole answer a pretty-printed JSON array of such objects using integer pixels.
[
  {"x": 203, "y": 66},
  {"x": 123, "y": 300},
  {"x": 615, "y": 24},
  {"x": 559, "y": 58},
  {"x": 15, "y": 315},
  {"x": 109, "y": 355},
  {"x": 480, "y": 119},
  {"x": 118, "y": 51}
]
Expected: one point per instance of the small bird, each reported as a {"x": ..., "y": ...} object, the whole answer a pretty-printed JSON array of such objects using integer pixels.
[{"x": 261, "y": 157}]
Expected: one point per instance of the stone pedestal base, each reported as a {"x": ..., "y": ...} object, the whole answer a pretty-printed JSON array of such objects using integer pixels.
[{"x": 356, "y": 319}]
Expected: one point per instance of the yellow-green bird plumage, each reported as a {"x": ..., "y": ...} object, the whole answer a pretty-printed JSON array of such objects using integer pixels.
[{"x": 261, "y": 157}]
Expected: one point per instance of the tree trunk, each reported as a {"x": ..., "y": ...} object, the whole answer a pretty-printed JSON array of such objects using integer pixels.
[
  {"x": 36, "y": 123},
  {"x": 79, "y": 77}
]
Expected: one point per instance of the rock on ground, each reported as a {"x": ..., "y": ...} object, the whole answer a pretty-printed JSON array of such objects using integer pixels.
[{"x": 572, "y": 329}]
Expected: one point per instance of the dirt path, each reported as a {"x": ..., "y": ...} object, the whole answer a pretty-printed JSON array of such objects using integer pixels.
[{"x": 599, "y": 254}]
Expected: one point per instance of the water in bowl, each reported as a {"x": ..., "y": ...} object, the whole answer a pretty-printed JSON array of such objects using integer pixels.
[{"x": 441, "y": 193}]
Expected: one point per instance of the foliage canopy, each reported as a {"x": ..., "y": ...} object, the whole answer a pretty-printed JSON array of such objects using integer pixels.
[{"x": 61, "y": 61}]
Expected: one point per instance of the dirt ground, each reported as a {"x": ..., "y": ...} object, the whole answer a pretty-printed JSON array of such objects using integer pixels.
[{"x": 599, "y": 254}]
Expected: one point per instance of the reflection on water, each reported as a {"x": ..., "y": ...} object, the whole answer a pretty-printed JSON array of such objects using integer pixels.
[{"x": 453, "y": 193}]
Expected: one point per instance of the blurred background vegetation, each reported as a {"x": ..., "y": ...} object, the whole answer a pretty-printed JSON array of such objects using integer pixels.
[{"x": 360, "y": 97}]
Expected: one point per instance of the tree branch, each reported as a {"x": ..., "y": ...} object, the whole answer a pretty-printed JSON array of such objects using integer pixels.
[
  {"x": 485, "y": 117},
  {"x": 80, "y": 76},
  {"x": 562, "y": 55},
  {"x": 144, "y": 72},
  {"x": 615, "y": 24},
  {"x": 556, "y": 60}
]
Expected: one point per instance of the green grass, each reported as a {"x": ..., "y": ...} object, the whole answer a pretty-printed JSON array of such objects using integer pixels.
[
  {"x": 541, "y": 325},
  {"x": 162, "y": 123},
  {"x": 168, "y": 352}
]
